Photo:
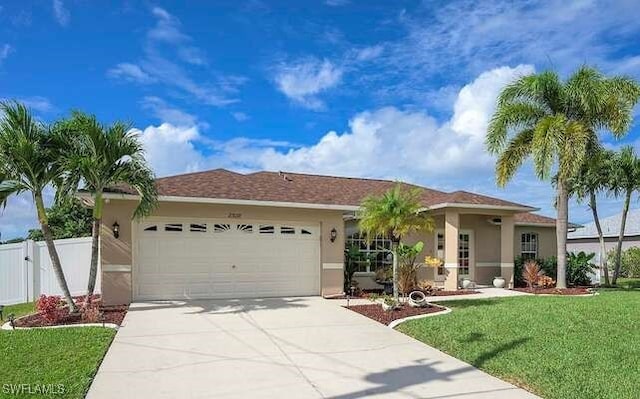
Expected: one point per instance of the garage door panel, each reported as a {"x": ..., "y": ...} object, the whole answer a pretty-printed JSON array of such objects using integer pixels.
[{"x": 270, "y": 259}]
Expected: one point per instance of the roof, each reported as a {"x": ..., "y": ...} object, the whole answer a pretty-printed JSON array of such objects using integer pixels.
[
  {"x": 610, "y": 226},
  {"x": 285, "y": 187}
]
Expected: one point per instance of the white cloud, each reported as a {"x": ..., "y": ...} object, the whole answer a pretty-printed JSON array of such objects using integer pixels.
[
  {"x": 302, "y": 81},
  {"x": 336, "y": 3},
  {"x": 167, "y": 113},
  {"x": 38, "y": 103},
  {"x": 60, "y": 13},
  {"x": 369, "y": 53},
  {"x": 240, "y": 116},
  {"x": 5, "y": 50},
  {"x": 130, "y": 72}
]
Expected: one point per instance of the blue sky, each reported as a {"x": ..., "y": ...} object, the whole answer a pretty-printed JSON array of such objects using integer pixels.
[{"x": 399, "y": 90}]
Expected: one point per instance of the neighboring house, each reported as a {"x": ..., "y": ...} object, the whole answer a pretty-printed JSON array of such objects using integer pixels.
[
  {"x": 585, "y": 238},
  {"x": 220, "y": 234}
]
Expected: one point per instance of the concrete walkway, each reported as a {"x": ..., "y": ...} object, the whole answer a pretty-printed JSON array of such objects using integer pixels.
[{"x": 277, "y": 348}]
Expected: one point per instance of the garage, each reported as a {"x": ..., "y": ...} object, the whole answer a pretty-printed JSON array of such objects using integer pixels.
[{"x": 225, "y": 258}]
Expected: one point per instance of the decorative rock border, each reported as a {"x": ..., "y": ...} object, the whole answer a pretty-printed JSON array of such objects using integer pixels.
[{"x": 397, "y": 322}]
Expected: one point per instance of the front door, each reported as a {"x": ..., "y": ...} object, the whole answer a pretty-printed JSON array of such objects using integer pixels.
[{"x": 465, "y": 254}]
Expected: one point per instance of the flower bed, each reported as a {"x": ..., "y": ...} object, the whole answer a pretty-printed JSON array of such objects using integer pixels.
[
  {"x": 52, "y": 312},
  {"x": 366, "y": 294},
  {"x": 375, "y": 312},
  {"x": 556, "y": 291}
]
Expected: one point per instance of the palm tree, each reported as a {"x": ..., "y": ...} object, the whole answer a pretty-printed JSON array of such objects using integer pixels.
[
  {"x": 556, "y": 124},
  {"x": 594, "y": 177},
  {"x": 28, "y": 154},
  {"x": 626, "y": 180},
  {"x": 394, "y": 214},
  {"x": 103, "y": 156}
]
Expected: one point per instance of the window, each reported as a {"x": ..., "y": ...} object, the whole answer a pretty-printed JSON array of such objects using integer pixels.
[
  {"x": 287, "y": 230},
  {"x": 221, "y": 227},
  {"x": 173, "y": 227},
  {"x": 529, "y": 246},
  {"x": 440, "y": 252},
  {"x": 267, "y": 229},
  {"x": 463, "y": 253},
  {"x": 245, "y": 228},
  {"x": 379, "y": 251},
  {"x": 198, "y": 227}
]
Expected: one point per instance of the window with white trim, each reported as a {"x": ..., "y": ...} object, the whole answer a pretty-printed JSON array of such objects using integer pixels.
[
  {"x": 464, "y": 253},
  {"x": 529, "y": 246},
  {"x": 379, "y": 251},
  {"x": 440, "y": 252}
]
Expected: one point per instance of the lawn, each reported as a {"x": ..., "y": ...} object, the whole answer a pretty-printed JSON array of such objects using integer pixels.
[
  {"x": 556, "y": 347},
  {"x": 66, "y": 356}
]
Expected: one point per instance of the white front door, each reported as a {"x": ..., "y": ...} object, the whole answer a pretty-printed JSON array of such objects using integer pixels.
[{"x": 225, "y": 258}]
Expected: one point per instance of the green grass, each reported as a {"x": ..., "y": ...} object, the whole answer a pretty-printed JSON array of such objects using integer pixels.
[
  {"x": 629, "y": 283},
  {"x": 67, "y": 356},
  {"x": 556, "y": 347},
  {"x": 19, "y": 310}
]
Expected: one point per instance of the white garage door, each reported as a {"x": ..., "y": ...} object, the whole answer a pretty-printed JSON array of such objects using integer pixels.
[{"x": 227, "y": 258}]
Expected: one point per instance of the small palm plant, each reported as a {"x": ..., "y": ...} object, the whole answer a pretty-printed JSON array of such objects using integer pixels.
[
  {"x": 531, "y": 273},
  {"x": 394, "y": 215},
  {"x": 28, "y": 164},
  {"x": 100, "y": 157}
]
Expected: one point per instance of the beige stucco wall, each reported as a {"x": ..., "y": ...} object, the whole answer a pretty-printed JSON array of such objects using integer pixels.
[
  {"x": 116, "y": 253},
  {"x": 547, "y": 245}
]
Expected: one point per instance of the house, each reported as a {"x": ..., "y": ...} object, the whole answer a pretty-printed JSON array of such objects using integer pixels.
[
  {"x": 585, "y": 238},
  {"x": 221, "y": 234}
]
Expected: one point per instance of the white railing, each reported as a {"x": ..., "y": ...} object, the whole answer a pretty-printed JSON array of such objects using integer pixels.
[{"x": 26, "y": 272}]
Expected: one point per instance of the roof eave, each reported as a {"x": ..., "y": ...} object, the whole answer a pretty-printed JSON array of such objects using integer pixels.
[{"x": 515, "y": 208}]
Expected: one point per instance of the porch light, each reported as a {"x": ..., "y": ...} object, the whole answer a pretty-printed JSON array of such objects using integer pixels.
[
  {"x": 334, "y": 234},
  {"x": 116, "y": 230}
]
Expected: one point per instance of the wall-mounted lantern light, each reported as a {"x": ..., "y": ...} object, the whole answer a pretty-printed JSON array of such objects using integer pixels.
[
  {"x": 334, "y": 234},
  {"x": 116, "y": 230}
]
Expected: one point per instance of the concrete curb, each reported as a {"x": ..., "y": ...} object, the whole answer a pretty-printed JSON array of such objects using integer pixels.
[
  {"x": 7, "y": 326},
  {"x": 396, "y": 323}
]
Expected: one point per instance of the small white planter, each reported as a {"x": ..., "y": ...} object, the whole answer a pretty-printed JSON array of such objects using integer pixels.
[
  {"x": 499, "y": 282},
  {"x": 466, "y": 283},
  {"x": 417, "y": 299}
]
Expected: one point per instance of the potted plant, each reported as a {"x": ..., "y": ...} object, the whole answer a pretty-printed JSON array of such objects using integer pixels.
[
  {"x": 499, "y": 282},
  {"x": 466, "y": 283}
]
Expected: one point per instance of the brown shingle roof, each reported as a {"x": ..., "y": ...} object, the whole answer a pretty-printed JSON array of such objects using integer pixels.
[
  {"x": 299, "y": 188},
  {"x": 532, "y": 218}
]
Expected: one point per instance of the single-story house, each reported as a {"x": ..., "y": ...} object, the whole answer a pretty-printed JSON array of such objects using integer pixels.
[
  {"x": 221, "y": 234},
  {"x": 585, "y": 238}
]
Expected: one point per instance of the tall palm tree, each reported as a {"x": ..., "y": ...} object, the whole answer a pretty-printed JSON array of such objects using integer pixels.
[
  {"x": 28, "y": 155},
  {"x": 626, "y": 180},
  {"x": 594, "y": 177},
  {"x": 556, "y": 123},
  {"x": 101, "y": 156},
  {"x": 394, "y": 214}
]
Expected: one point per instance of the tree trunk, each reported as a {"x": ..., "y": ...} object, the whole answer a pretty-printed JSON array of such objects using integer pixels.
[
  {"x": 603, "y": 249},
  {"x": 394, "y": 251},
  {"x": 95, "y": 243},
  {"x": 561, "y": 233},
  {"x": 623, "y": 222},
  {"x": 53, "y": 253}
]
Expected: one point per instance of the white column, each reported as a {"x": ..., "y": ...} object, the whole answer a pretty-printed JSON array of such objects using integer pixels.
[
  {"x": 507, "y": 233},
  {"x": 451, "y": 234}
]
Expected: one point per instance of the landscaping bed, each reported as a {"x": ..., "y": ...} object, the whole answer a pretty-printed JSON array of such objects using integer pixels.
[
  {"x": 110, "y": 315},
  {"x": 556, "y": 291},
  {"x": 375, "y": 312},
  {"x": 366, "y": 294}
]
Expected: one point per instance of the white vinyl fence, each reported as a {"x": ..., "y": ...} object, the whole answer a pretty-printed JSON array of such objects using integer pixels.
[{"x": 26, "y": 272}]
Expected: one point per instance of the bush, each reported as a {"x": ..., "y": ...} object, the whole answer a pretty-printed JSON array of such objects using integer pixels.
[
  {"x": 579, "y": 268},
  {"x": 531, "y": 273},
  {"x": 549, "y": 266},
  {"x": 50, "y": 307},
  {"x": 546, "y": 282},
  {"x": 629, "y": 262},
  {"x": 90, "y": 313},
  {"x": 407, "y": 266}
]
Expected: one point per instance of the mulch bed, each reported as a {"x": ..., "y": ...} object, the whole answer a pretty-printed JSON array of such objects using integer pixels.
[
  {"x": 458, "y": 292},
  {"x": 375, "y": 312},
  {"x": 556, "y": 291},
  {"x": 365, "y": 294},
  {"x": 110, "y": 315}
]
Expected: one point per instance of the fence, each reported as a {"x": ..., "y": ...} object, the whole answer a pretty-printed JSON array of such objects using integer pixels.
[{"x": 26, "y": 272}]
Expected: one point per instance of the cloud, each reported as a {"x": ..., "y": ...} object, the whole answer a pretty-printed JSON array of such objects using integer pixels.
[
  {"x": 167, "y": 55},
  {"x": 60, "y": 13},
  {"x": 240, "y": 116},
  {"x": 38, "y": 103},
  {"x": 131, "y": 73},
  {"x": 336, "y": 3},
  {"x": 369, "y": 53},
  {"x": 302, "y": 81},
  {"x": 166, "y": 113},
  {"x": 5, "y": 50}
]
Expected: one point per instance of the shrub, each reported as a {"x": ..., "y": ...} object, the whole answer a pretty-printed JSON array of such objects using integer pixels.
[
  {"x": 579, "y": 267},
  {"x": 407, "y": 266},
  {"x": 90, "y": 313},
  {"x": 531, "y": 273},
  {"x": 629, "y": 262},
  {"x": 50, "y": 307},
  {"x": 546, "y": 282}
]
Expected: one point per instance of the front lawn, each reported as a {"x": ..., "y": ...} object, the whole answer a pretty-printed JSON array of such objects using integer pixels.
[
  {"x": 19, "y": 310},
  {"x": 556, "y": 347},
  {"x": 67, "y": 357}
]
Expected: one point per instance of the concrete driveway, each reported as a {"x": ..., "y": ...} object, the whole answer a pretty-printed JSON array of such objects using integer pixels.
[{"x": 277, "y": 348}]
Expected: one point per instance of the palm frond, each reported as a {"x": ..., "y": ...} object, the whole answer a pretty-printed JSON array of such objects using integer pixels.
[{"x": 513, "y": 156}]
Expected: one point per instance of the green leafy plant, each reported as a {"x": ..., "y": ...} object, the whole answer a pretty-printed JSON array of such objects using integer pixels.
[
  {"x": 408, "y": 267},
  {"x": 68, "y": 219},
  {"x": 579, "y": 267},
  {"x": 353, "y": 259},
  {"x": 629, "y": 263}
]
